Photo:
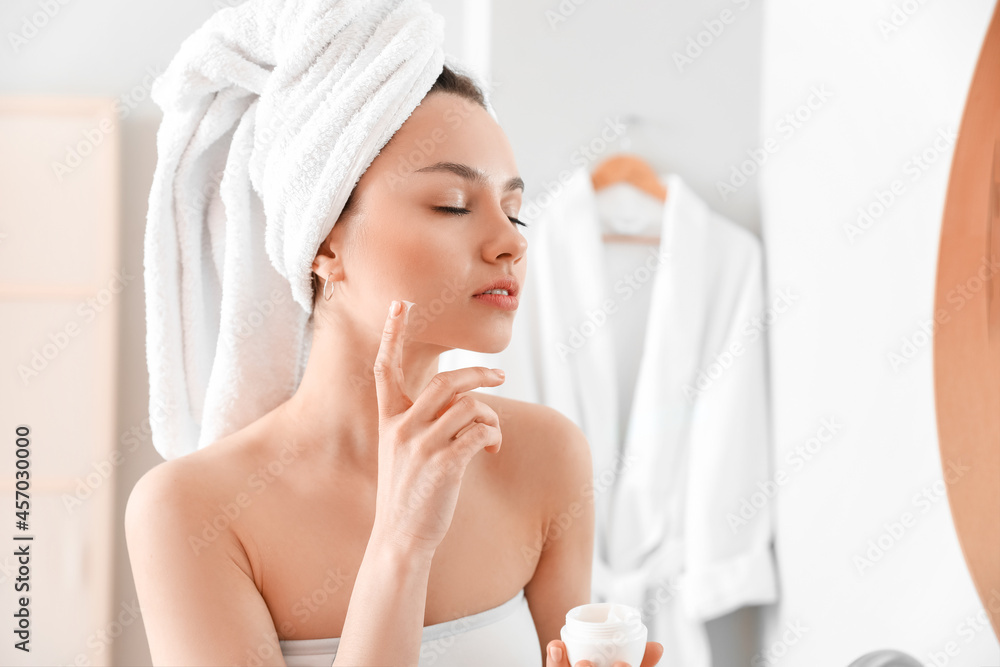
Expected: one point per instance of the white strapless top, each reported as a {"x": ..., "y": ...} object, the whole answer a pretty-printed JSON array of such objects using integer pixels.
[{"x": 498, "y": 637}]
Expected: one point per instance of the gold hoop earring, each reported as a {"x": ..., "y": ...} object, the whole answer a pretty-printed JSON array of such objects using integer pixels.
[{"x": 325, "y": 297}]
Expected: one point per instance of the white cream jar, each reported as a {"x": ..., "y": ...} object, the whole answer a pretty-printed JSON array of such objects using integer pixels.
[{"x": 603, "y": 633}]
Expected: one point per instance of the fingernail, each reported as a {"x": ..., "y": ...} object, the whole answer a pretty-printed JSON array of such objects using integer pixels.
[
  {"x": 395, "y": 309},
  {"x": 499, "y": 372},
  {"x": 556, "y": 653}
]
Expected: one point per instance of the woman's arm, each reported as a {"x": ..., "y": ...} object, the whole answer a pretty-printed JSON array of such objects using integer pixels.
[
  {"x": 562, "y": 576},
  {"x": 199, "y": 603},
  {"x": 385, "y": 617}
]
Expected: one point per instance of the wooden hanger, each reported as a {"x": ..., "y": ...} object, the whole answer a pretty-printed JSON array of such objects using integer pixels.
[{"x": 631, "y": 169}]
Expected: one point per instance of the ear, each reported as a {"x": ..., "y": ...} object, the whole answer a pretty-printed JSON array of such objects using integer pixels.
[{"x": 325, "y": 257}]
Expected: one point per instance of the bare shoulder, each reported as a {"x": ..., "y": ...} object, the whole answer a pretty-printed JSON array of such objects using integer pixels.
[
  {"x": 190, "y": 567},
  {"x": 177, "y": 497},
  {"x": 177, "y": 485},
  {"x": 545, "y": 440},
  {"x": 536, "y": 423},
  {"x": 168, "y": 487},
  {"x": 553, "y": 472}
]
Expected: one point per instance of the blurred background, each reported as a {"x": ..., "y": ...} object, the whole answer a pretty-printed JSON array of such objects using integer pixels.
[{"x": 846, "y": 97}]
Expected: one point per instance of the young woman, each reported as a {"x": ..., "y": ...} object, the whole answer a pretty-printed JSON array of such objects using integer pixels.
[{"x": 362, "y": 515}]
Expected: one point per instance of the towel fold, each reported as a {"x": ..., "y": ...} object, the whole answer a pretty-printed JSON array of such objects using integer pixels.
[{"x": 272, "y": 111}]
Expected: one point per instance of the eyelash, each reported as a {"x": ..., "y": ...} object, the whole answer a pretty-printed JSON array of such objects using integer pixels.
[{"x": 463, "y": 211}]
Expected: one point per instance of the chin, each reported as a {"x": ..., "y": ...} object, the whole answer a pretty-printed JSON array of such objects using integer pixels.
[
  {"x": 475, "y": 334},
  {"x": 488, "y": 344},
  {"x": 493, "y": 349}
]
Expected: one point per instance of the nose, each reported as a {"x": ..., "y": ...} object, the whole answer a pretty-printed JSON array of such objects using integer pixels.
[{"x": 505, "y": 239}]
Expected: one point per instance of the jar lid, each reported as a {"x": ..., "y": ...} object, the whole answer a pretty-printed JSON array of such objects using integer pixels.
[{"x": 603, "y": 619}]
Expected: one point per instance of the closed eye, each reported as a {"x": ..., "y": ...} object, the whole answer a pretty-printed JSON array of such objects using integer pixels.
[{"x": 462, "y": 211}]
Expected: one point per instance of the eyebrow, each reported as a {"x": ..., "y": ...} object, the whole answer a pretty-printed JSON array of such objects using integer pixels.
[{"x": 474, "y": 175}]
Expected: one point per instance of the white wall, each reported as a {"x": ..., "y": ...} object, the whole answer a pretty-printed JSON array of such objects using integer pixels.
[
  {"x": 867, "y": 552},
  {"x": 561, "y": 76}
]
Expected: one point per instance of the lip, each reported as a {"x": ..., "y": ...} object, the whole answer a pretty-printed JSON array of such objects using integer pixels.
[
  {"x": 502, "y": 301},
  {"x": 508, "y": 283}
]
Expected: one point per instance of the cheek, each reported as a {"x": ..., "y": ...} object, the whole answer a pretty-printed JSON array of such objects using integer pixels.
[
  {"x": 406, "y": 253},
  {"x": 409, "y": 255},
  {"x": 420, "y": 254},
  {"x": 432, "y": 270}
]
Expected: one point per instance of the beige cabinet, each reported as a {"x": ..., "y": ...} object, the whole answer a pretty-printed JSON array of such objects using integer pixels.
[{"x": 60, "y": 283}]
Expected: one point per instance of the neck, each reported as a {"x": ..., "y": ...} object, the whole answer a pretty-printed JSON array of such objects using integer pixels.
[{"x": 334, "y": 412}]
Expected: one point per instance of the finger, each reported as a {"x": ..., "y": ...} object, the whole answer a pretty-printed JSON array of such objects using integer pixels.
[
  {"x": 654, "y": 651},
  {"x": 492, "y": 441},
  {"x": 388, "y": 366},
  {"x": 444, "y": 388},
  {"x": 475, "y": 439},
  {"x": 463, "y": 414},
  {"x": 550, "y": 660}
]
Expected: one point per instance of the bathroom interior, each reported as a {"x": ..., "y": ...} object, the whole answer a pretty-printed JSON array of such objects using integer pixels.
[{"x": 854, "y": 147}]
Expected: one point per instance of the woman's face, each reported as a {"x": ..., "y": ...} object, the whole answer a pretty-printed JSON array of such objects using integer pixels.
[{"x": 398, "y": 242}]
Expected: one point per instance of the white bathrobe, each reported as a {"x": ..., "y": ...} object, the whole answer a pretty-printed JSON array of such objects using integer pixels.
[{"x": 683, "y": 524}]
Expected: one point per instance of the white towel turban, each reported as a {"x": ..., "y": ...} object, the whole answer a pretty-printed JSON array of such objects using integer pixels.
[{"x": 272, "y": 111}]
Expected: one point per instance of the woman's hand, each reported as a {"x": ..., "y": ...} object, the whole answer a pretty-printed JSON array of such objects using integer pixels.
[
  {"x": 425, "y": 445},
  {"x": 654, "y": 651}
]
